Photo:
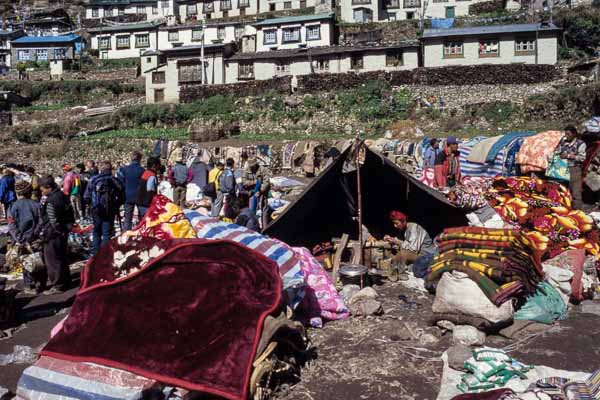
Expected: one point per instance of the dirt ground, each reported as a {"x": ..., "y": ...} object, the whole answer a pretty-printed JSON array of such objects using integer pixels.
[{"x": 392, "y": 356}]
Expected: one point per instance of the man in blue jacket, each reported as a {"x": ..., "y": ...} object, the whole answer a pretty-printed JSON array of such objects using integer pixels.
[
  {"x": 7, "y": 190},
  {"x": 130, "y": 177}
]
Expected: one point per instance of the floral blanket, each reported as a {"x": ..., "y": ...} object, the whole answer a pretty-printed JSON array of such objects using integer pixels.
[{"x": 535, "y": 151}]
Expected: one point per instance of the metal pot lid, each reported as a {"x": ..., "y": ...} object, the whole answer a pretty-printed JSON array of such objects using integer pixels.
[{"x": 352, "y": 270}]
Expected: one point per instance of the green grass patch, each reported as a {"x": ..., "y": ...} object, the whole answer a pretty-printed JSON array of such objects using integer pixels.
[
  {"x": 43, "y": 107},
  {"x": 154, "y": 133}
]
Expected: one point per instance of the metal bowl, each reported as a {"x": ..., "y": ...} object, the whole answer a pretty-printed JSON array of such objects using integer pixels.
[{"x": 353, "y": 270}]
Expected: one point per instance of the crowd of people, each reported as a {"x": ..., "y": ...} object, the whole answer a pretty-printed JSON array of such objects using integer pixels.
[{"x": 41, "y": 211}]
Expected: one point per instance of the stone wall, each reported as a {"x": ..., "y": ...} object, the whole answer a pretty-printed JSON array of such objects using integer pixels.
[
  {"x": 191, "y": 93},
  {"x": 123, "y": 75}
]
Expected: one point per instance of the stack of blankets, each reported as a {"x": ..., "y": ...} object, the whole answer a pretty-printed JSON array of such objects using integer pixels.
[
  {"x": 500, "y": 261},
  {"x": 542, "y": 211}
]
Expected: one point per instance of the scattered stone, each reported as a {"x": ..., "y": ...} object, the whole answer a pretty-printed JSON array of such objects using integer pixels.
[
  {"x": 467, "y": 335},
  {"x": 348, "y": 291},
  {"x": 522, "y": 328},
  {"x": 446, "y": 325},
  {"x": 428, "y": 339},
  {"x": 590, "y": 307},
  {"x": 367, "y": 293},
  {"x": 457, "y": 355},
  {"x": 366, "y": 307}
]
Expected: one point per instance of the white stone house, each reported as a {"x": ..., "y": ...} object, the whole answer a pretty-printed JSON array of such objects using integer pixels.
[
  {"x": 191, "y": 34},
  {"x": 5, "y": 53},
  {"x": 320, "y": 60},
  {"x": 295, "y": 32},
  {"x": 125, "y": 40},
  {"x": 166, "y": 71},
  {"x": 151, "y": 9},
  {"x": 500, "y": 44}
]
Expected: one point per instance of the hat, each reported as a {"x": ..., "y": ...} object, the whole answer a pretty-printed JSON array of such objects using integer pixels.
[
  {"x": 451, "y": 140},
  {"x": 67, "y": 167},
  {"x": 397, "y": 216},
  {"x": 22, "y": 187}
]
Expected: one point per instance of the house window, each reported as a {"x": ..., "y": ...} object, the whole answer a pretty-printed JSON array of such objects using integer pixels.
[
  {"x": 148, "y": 60},
  {"x": 313, "y": 32},
  {"x": 394, "y": 58},
  {"x": 440, "y": 1},
  {"x": 23, "y": 55},
  {"x": 524, "y": 46},
  {"x": 197, "y": 34},
  {"x": 321, "y": 65},
  {"x": 123, "y": 42},
  {"x": 140, "y": 10},
  {"x": 410, "y": 15},
  {"x": 3, "y": 59},
  {"x": 221, "y": 33},
  {"x": 242, "y": 12},
  {"x": 282, "y": 68},
  {"x": 270, "y": 36},
  {"x": 302, "y": 4},
  {"x": 356, "y": 62},
  {"x": 159, "y": 95},
  {"x": 392, "y": 3},
  {"x": 244, "y": 3},
  {"x": 190, "y": 72},
  {"x": 154, "y": 10},
  {"x": 208, "y": 7},
  {"x": 121, "y": 11},
  {"x": 271, "y": 6},
  {"x": 246, "y": 70},
  {"x": 450, "y": 12},
  {"x": 60, "y": 54},
  {"x": 453, "y": 50},
  {"x": 489, "y": 48},
  {"x": 291, "y": 35},
  {"x": 360, "y": 2},
  {"x": 42, "y": 54},
  {"x": 108, "y": 12},
  {"x": 412, "y": 3},
  {"x": 192, "y": 9},
  {"x": 363, "y": 15},
  {"x": 142, "y": 41},
  {"x": 95, "y": 13},
  {"x": 287, "y": 5},
  {"x": 239, "y": 32},
  {"x": 392, "y": 16},
  {"x": 104, "y": 43},
  {"x": 225, "y": 5},
  {"x": 173, "y": 36},
  {"x": 164, "y": 4},
  {"x": 158, "y": 77}
]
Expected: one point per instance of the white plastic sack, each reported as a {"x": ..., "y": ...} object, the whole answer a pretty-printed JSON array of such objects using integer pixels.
[
  {"x": 559, "y": 278},
  {"x": 457, "y": 293}
]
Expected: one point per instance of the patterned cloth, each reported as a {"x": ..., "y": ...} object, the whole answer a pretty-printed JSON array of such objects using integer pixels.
[
  {"x": 164, "y": 220},
  {"x": 535, "y": 151},
  {"x": 470, "y": 194},
  {"x": 469, "y": 168},
  {"x": 428, "y": 177}
]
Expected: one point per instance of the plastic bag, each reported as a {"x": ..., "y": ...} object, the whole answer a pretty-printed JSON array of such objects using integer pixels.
[
  {"x": 545, "y": 306},
  {"x": 33, "y": 262},
  {"x": 558, "y": 168},
  {"x": 20, "y": 355}
]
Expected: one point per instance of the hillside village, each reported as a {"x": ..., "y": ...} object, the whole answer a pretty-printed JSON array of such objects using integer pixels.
[{"x": 300, "y": 199}]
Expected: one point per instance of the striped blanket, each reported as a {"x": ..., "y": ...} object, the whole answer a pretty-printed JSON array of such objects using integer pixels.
[{"x": 469, "y": 168}]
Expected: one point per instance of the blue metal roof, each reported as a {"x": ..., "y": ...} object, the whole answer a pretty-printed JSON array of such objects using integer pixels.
[
  {"x": 488, "y": 29},
  {"x": 48, "y": 39},
  {"x": 290, "y": 20}
]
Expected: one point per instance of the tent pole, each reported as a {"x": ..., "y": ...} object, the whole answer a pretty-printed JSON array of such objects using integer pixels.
[{"x": 359, "y": 200}]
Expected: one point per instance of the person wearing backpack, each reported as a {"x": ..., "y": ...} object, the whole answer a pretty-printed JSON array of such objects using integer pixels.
[
  {"x": 130, "y": 178},
  {"x": 57, "y": 219},
  {"x": 179, "y": 177},
  {"x": 105, "y": 194},
  {"x": 72, "y": 188},
  {"x": 148, "y": 186},
  {"x": 227, "y": 183}
]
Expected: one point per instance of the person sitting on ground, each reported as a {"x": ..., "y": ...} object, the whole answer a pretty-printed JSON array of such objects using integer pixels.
[
  {"x": 148, "y": 186},
  {"x": 57, "y": 219},
  {"x": 433, "y": 149},
  {"x": 573, "y": 149},
  {"x": 447, "y": 165},
  {"x": 36, "y": 194},
  {"x": 412, "y": 240},
  {"x": 106, "y": 195},
  {"x": 130, "y": 177},
  {"x": 7, "y": 190},
  {"x": 23, "y": 221},
  {"x": 241, "y": 215},
  {"x": 179, "y": 177}
]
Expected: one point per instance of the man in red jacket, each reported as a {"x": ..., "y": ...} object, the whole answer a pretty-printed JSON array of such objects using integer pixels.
[{"x": 447, "y": 165}]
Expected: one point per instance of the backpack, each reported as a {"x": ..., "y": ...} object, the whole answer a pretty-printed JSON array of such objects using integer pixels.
[
  {"x": 108, "y": 197},
  {"x": 76, "y": 188},
  {"x": 180, "y": 175},
  {"x": 210, "y": 190},
  {"x": 227, "y": 182}
]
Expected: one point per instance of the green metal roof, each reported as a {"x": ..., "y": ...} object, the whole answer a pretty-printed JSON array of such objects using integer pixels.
[{"x": 291, "y": 20}]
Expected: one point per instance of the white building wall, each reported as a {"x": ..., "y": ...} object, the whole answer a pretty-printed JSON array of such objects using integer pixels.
[
  {"x": 151, "y": 12},
  {"x": 347, "y": 9},
  {"x": 325, "y": 40},
  {"x": 236, "y": 10},
  {"x": 185, "y": 36},
  {"x": 433, "y": 55},
  {"x": 131, "y": 52},
  {"x": 265, "y": 5}
]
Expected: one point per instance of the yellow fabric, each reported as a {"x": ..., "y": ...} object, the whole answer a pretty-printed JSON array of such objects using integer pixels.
[
  {"x": 213, "y": 176},
  {"x": 171, "y": 221}
]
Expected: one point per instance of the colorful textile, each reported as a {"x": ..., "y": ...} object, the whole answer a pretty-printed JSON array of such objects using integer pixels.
[
  {"x": 321, "y": 299},
  {"x": 535, "y": 151},
  {"x": 575, "y": 150},
  {"x": 290, "y": 268},
  {"x": 542, "y": 210},
  {"x": 188, "y": 312},
  {"x": 51, "y": 378},
  {"x": 558, "y": 168},
  {"x": 473, "y": 169},
  {"x": 164, "y": 220},
  {"x": 510, "y": 166},
  {"x": 470, "y": 193},
  {"x": 504, "y": 141},
  {"x": 481, "y": 149},
  {"x": 428, "y": 177}
]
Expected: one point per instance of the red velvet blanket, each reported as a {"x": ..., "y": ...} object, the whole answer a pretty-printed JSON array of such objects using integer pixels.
[{"x": 186, "y": 312}]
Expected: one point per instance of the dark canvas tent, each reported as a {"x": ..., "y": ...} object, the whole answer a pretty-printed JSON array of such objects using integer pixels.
[{"x": 328, "y": 206}]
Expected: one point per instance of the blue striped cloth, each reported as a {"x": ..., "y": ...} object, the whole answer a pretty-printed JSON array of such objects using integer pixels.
[{"x": 468, "y": 168}]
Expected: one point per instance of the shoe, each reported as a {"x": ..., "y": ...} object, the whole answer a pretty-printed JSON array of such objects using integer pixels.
[
  {"x": 30, "y": 291},
  {"x": 53, "y": 290}
]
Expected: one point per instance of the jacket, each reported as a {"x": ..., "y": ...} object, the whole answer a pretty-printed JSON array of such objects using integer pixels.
[
  {"x": 144, "y": 196},
  {"x": 23, "y": 219},
  {"x": 214, "y": 176},
  {"x": 180, "y": 170},
  {"x": 442, "y": 168},
  {"x": 56, "y": 215},
  {"x": 91, "y": 195},
  {"x": 429, "y": 157},
  {"x": 69, "y": 183},
  {"x": 7, "y": 189},
  {"x": 130, "y": 177},
  {"x": 227, "y": 182}
]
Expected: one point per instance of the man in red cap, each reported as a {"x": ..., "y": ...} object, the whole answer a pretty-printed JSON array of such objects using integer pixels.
[{"x": 412, "y": 240}]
